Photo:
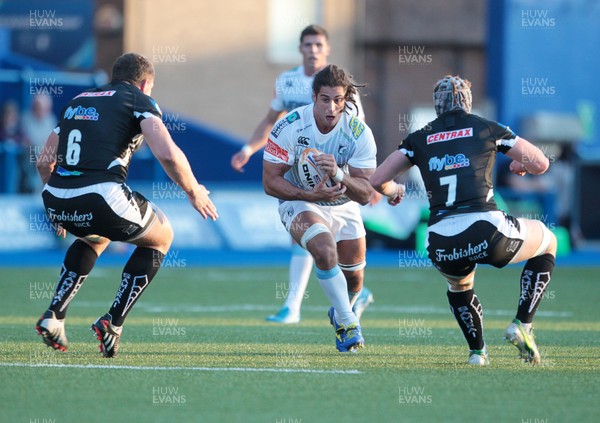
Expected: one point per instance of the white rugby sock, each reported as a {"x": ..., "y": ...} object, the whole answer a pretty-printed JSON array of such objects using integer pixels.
[
  {"x": 353, "y": 296},
  {"x": 301, "y": 264},
  {"x": 335, "y": 288}
]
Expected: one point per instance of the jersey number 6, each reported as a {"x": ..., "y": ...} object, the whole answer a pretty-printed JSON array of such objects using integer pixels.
[{"x": 73, "y": 147}]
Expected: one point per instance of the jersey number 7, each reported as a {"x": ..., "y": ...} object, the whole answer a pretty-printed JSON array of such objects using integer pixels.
[{"x": 451, "y": 182}]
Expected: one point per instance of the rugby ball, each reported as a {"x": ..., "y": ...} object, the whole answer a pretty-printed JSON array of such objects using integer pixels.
[{"x": 309, "y": 173}]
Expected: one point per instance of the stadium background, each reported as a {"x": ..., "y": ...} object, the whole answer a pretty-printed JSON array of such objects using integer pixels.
[{"x": 530, "y": 65}]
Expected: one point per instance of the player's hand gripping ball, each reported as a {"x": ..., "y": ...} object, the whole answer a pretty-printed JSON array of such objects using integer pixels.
[{"x": 309, "y": 172}]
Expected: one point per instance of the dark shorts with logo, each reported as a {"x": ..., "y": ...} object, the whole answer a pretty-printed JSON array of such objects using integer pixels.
[
  {"x": 457, "y": 243},
  {"x": 108, "y": 209}
]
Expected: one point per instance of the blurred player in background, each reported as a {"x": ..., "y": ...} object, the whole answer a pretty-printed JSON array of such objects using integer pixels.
[
  {"x": 37, "y": 123},
  {"x": 84, "y": 167},
  {"x": 455, "y": 154},
  {"x": 294, "y": 89},
  {"x": 326, "y": 221}
]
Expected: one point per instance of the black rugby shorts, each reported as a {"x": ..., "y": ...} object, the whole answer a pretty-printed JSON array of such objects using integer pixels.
[
  {"x": 108, "y": 209},
  {"x": 457, "y": 243}
]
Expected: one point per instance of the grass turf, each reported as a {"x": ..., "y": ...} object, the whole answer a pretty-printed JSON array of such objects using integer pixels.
[{"x": 232, "y": 366}]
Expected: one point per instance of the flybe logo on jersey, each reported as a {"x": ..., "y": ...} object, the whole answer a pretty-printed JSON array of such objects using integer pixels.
[
  {"x": 449, "y": 135},
  {"x": 356, "y": 126},
  {"x": 448, "y": 162},
  {"x": 284, "y": 122},
  {"x": 81, "y": 113}
]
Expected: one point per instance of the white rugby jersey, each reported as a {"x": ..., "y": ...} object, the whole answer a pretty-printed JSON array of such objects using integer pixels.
[
  {"x": 351, "y": 142},
  {"x": 294, "y": 89}
]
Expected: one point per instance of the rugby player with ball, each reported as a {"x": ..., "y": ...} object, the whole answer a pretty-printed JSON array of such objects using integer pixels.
[
  {"x": 293, "y": 88},
  {"x": 321, "y": 215}
]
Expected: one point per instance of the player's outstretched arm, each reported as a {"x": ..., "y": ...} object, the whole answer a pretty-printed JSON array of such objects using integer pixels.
[
  {"x": 383, "y": 178},
  {"x": 177, "y": 166},
  {"x": 47, "y": 159},
  {"x": 45, "y": 163},
  {"x": 527, "y": 158},
  {"x": 256, "y": 141}
]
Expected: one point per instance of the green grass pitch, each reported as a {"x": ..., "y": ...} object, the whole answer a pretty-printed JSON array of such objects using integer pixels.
[{"x": 197, "y": 349}]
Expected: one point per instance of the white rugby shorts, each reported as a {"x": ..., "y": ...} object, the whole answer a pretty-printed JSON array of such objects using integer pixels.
[{"x": 344, "y": 221}]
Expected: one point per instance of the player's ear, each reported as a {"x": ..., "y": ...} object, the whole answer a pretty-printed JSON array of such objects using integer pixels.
[{"x": 146, "y": 86}]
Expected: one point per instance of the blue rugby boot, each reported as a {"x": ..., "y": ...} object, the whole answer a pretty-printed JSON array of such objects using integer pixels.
[
  {"x": 284, "y": 316},
  {"x": 350, "y": 338}
]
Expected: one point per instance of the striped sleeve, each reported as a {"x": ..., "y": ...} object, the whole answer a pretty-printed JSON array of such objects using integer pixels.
[
  {"x": 407, "y": 149},
  {"x": 145, "y": 107}
]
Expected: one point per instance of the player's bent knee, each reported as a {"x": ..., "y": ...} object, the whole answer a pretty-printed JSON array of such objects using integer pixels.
[
  {"x": 167, "y": 235},
  {"x": 159, "y": 237},
  {"x": 95, "y": 240},
  {"x": 324, "y": 255},
  {"x": 548, "y": 242},
  {"x": 454, "y": 286},
  {"x": 459, "y": 284},
  {"x": 354, "y": 274},
  {"x": 313, "y": 231}
]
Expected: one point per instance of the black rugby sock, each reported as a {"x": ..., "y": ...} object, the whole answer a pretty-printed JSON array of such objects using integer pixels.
[
  {"x": 468, "y": 313},
  {"x": 534, "y": 281},
  {"x": 78, "y": 263},
  {"x": 137, "y": 275}
]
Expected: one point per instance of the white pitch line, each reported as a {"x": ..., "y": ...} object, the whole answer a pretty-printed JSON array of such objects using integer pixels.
[
  {"x": 417, "y": 309},
  {"x": 197, "y": 369},
  {"x": 375, "y": 309}
]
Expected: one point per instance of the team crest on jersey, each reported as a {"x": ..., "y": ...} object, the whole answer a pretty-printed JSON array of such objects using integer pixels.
[
  {"x": 356, "y": 126},
  {"x": 284, "y": 122},
  {"x": 449, "y": 135},
  {"x": 342, "y": 149}
]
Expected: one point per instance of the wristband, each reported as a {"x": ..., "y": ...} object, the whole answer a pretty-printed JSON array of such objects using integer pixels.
[
  {"x": 339, "y": 175},
  {"x": 246, "y": 149}
]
